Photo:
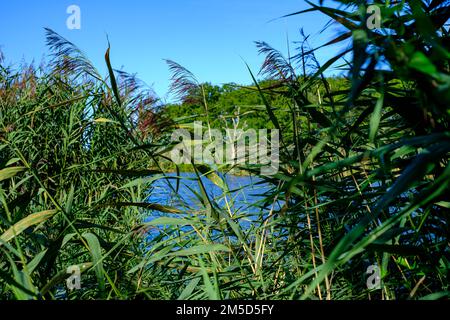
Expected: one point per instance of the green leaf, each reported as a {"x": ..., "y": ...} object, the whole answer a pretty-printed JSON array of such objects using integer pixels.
[
  {"x": 375, "y": 119},
  {"x": 211, "y": 175},
  {"x": 33, "y": 264},
  {"x": 96, "y": 253},
  {"x": 15, "y": 284},
  {"x": 421, "y": 63},
  {"x": 209, "y": 287},
  {"x": 104, "y": 120},
  {"x": 12, "y": 161},
  {"x": 26, "y": 223},
  {"x": 8, "y": 173},
  {"x": 207, "y": 248},
  {"x": 150, "y": 206},
  {"x": 444, "y": 204},
  {"x": 187, "y": 292},
  {"x": 168, "y": 221},
  {"x": 142, "y": 181},
  {"x": 436, "y": 295},
  {"x": 112, "y": 77}
]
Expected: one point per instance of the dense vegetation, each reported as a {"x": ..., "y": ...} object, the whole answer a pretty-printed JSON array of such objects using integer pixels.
[
  {"x": 364, "y": 174},
  {"x": 231, "y": 100}
]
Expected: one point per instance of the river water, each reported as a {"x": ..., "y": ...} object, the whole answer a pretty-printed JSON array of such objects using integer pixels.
[{"x": 246, "y": 193}]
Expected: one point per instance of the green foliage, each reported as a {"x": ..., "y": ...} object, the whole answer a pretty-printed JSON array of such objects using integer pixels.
[
  {"x": 364, "y": 174},
  {"x": 66, "y": 146}
]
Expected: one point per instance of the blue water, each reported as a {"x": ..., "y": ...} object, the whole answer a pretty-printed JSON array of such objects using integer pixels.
[
  {"x": 247, "y": 194},
  {"x": 248, "y": 200}
]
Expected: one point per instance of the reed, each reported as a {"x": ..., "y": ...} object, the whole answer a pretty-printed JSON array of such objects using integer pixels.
[{"x": 363, "y": 177}]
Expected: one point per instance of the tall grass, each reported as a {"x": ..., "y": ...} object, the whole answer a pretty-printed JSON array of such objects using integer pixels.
[{"x": 363, "y": 180}]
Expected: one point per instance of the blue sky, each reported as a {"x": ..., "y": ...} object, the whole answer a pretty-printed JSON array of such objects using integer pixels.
[{"x": 209, "y": 37}]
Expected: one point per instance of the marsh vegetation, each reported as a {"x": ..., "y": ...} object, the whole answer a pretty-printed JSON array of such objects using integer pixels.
[{"x": 363, "y": 180}]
